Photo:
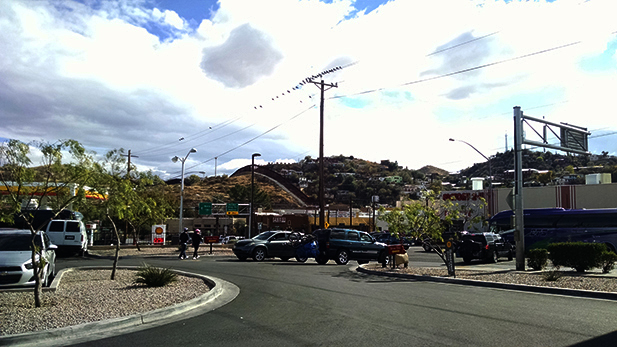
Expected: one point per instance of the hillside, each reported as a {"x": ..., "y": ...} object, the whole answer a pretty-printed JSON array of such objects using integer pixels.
[
  {"x": 217, "y": 190},
  {"x": 354, "y": 180}
]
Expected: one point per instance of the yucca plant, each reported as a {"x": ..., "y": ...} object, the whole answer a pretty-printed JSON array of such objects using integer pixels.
[{"x": 154, "y": 276}]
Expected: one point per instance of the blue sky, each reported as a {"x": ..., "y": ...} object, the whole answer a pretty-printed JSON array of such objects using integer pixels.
[{"x": 224, "y": 76}]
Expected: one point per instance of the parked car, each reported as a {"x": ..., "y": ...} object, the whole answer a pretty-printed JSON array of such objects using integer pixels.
[
  {"x": 389, "y": 239},
  {"x": 486, "y": 246},
  {"x": 230, "y": 239},
  {"x": 343, "y": 245},
  {"x": 68, "y": 235},
  {"x": 16, "y": 257},
  {"x": 269, "y": 244}
]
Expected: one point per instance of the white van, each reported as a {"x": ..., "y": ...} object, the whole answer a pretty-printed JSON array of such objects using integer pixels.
[{"x": 68, "y": 235}]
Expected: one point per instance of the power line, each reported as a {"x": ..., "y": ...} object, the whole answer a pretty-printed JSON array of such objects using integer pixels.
[
  {"x": 253, "y": 139},
  {"x": 464, "y": 70},
  {"x": 461, "y": 44}
]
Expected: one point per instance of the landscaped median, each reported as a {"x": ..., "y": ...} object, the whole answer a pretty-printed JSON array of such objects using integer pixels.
[
  {"x": 589, "y": 284},
  {"x": 88, "y": 305}
]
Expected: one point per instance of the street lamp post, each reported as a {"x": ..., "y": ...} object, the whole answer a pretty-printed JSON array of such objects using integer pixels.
[
  {"x": 252, "y": 185},
  {"x": 490, "y": 171},
  {"x": 182, "y": 160}
]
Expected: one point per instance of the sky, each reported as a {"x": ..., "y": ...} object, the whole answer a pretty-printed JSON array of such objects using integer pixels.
[{"x": 229, "y": 78}]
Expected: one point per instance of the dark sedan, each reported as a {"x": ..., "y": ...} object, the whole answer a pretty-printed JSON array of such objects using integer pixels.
[{"x": 269, "y": 244}]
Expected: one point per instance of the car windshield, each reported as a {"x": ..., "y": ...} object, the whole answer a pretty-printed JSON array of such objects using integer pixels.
[
  {"x": 264, "y": 236},
  {"x": 13, "y": 242}
]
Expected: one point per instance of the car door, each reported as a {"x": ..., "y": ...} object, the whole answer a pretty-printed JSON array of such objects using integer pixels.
[
  {"x": 352, "y": 242},
  {"x": 370, "y": 250},
  {"x": 55, "y": 231},
  {"x": 279, "y": 246},
  {"x": 48, "y": 253}
]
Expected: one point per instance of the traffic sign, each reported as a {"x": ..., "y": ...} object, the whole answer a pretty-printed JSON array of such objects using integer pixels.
[
  {"x": 232, "y": 208},
  {"x": 205, "y": 208}
]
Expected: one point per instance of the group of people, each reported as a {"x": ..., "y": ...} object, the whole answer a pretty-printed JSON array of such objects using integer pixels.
[{"x": 195, "y": 238}]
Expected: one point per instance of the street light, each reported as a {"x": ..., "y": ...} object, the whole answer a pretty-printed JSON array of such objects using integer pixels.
[
  {"x": 175, "y": 159},
  {"x": 252, "y": 185},
  {"x": 490, "y": 171}
]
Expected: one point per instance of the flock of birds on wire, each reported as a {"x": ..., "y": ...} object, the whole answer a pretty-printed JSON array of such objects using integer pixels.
[{"x": 306, "y": 81}]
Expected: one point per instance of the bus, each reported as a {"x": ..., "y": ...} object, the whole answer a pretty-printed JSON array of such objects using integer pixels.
[{"x": 550, "y": 225}]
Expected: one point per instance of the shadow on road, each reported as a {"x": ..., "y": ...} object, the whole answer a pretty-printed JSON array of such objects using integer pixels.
[{"x": 600, "y": 341}]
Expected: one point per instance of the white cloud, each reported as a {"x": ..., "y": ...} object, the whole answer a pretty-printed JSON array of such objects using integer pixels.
[{"x": 125, "y": 75}]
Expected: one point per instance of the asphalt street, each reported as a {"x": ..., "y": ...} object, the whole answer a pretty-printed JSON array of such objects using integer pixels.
[{"x": 294, "y": 304}]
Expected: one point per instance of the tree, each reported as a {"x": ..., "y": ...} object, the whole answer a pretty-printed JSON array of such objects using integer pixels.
[
  {"x": 119, "y": 194},
  {"x": 151, "y": 203},
  {"x": 135, "y": 200},
  {"x": 429, "y": 219},
  {"x": 55, "y": 184},
  {"x": 192, "y": 179}
]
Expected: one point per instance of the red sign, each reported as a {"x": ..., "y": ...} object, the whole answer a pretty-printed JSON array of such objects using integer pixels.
[
  {"x": 157, "y": 240},
  {"x": 396, "y": 249},
  {"x": 211, "y": 239}
]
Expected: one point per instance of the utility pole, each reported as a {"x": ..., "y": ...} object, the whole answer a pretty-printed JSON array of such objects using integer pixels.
[
  {"x": 128, "y": 169},
  {"x": 322, "y": 86},
  {"x": 350, "y": 213}
]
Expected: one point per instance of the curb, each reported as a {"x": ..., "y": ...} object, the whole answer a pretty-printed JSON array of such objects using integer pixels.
[
  {"x": 221, "y": 293},
  {"x": 507, "y": 286}
]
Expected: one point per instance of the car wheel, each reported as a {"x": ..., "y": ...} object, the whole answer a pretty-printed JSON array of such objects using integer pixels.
[
  {"x": 284, "y": 258},
  {"x": 242, "y": 258},
  {"x": 510, "y": 255},
  {"x": 342, "y": 257},
  {"x": 259, "y": 254},
  {"x": 426, "y": 247},
  {"x": 466, "y": 260},
  {"x": 301, "y": 259},
  {"x": 321, "y": 260}
]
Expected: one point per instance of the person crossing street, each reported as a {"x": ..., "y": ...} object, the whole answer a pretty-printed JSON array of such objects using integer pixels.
[
  {"x": 184, "y": 239},
  {"x": 197, "y": 239}
]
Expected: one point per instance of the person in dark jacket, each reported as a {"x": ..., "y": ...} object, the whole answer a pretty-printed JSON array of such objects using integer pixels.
[
  {"x": 196, "y": 241},
  {"x": 184, "y": 239}
]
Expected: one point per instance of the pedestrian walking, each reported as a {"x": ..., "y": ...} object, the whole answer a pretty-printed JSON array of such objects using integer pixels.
[
  {"x": 196, "y": 241},
  {"x": 184, "y": 240}
]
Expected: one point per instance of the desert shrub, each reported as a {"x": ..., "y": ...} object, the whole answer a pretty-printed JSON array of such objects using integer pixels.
[
  {"x": 154, "y": 276},
  {"x": 577, "y": 255},
  {"x": 552, "y": 275},
  {"x": 537, "y": 258},
  {"x": 608, "y": 259}
]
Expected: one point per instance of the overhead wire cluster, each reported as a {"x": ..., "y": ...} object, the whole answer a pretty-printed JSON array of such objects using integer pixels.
[{"x": 310, "y": 79}]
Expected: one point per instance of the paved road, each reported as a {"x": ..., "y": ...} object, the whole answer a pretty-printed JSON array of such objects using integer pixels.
[{"x": 292, "y": 304}]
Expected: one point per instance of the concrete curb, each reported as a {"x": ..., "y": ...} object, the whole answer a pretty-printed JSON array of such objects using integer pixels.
[
  {"x": 508, "y": 286},
  {"x": 221, "y": 293}
]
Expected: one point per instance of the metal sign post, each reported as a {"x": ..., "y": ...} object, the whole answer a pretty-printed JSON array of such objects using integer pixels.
[{"x": 572, "y": 139}]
